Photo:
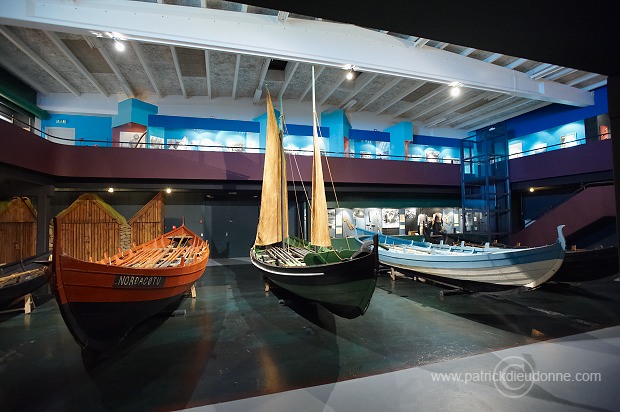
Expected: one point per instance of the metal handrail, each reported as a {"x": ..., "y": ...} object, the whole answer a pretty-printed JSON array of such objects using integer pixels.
[
  {"x": 569, "y": 197},
  {"x": 171, "y": 146}
]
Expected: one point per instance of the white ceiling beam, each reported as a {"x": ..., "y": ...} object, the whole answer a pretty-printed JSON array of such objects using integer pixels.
[
  {"x": 467, "y": 51},
  {"x": 561, "y": 73},
  {"x": 479, "y": 119},
  {"x": 117, "y": 71},
  {"x": 76, "y": 62},
  {"x": 420, "y": 42},
  {"x": 88, "y": 41},
  {"x": 493, "y": 57},
  {"x": 317, "y": 74},
  {"x": 138, "y": 49},
  {"x": 442, "y": 45},
  {"x": 435, "y": 121},
  {"x": 289, "y": 71},
  {"x": 380, "y": 93},
  {"x": 596, "y": 85},
  {"x": 361, "y": 82},
  {"x": 311, "y": 41},
  {"x": 282, "y": 16},
  {"x": 333, "y": 89},
  {"x": 236, "y": 76},
  {"x": 515, "y": 63},
  {"x": 243, "y": 8},
  {"x": 494, "y": 103},
  {"x": 261, "y": 81},
  {"x": 508, "y": 116},
  {"x": 349, "y": 104},
  {"x": 400, "y": 97},
  {"x": 432, "y": 107},
  {"x": 582, "y": 79},
  {"x": 208, "y": 73},
  {"x": 19, "y": 73},
  {"x": 442, "y": 117},
  {"x": 538, "y": 69},
  {"x": 422, "y": 99},
  {"x": 177, "y": 67},
  {"x": 35, "y": 57},
  {"x": 547, "y": 72},
  {"x": 203, "y": 4}
]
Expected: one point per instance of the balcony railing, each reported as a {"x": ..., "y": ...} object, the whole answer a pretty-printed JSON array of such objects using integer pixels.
[{"x": 140, "y": 144}]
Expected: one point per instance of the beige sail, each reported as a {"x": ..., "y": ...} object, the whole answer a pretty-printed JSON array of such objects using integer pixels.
[
  {"x": 319, "y": 229},
  {"x": 270, "y": 229}
]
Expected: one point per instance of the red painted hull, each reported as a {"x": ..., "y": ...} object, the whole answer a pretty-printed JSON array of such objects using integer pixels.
[{"x": 102, "y": 302}]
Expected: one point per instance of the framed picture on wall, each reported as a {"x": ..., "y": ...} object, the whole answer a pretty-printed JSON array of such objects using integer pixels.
[
  {"x": 132, "y": 139},
  {"x": 568, "y": 140},
  {"x": 603, "y": 132},
  {"x": 515, "y": 150},
  {"x": 390, "y": 218}
]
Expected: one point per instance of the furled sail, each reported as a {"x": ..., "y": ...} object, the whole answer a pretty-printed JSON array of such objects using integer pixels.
[
  {"x": 319, "y": 230},
  {"x": 270, "y": 223}
]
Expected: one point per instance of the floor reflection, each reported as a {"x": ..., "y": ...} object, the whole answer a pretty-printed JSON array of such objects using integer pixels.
[{"x": 236, "y": 341}]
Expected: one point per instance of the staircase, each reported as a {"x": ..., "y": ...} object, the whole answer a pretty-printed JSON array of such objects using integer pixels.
[{"x": 579, "y": 211}]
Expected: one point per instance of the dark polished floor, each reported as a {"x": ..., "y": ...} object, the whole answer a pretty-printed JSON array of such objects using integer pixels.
[{"x": 236, "y": 341}]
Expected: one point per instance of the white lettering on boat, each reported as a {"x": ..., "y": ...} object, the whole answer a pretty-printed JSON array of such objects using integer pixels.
[{"x": 131, "y": 281}]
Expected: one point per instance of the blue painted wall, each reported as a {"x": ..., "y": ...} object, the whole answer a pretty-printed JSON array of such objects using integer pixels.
[
  {"x": 89, "y": 130},
  {"x": 557, "y": 115},
  {"x": 399, "y": 134},
  {"x": 339, "y": 127},
  {"x": 191, "y": 133},
  {"x": 133, "y": 111},
  {"x": 550, "y": 139}
]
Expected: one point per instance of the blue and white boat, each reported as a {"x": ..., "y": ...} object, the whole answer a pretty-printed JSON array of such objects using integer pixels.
[{"x": 472, "y": 268}]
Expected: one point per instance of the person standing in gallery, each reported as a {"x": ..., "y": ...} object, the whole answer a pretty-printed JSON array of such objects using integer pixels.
[{"x": 422, "y": 221}]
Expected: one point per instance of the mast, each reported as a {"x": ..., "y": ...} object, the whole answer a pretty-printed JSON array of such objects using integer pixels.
[
  {"x": 283, "y": 192},
  {"x": 319, "y": 228}
]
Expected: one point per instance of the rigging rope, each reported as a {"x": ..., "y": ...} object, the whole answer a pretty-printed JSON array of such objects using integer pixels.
[
  {"x": 299, "y": 220},
  {"x": 331, "y": 178}
]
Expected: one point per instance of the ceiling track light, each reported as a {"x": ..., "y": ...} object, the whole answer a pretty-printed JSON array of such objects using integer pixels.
[
  {"x": 119, "y": 45},
  {"x": 350, "y": 74},
  {"x": 455, "y": 89}
]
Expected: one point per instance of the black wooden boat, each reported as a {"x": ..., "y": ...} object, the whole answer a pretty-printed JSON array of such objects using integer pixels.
[
  {"x": 343, "y": 285},
  {"x": 341, "y": 281},
  {"x": 585, "y": 265},
  {"x": 18, "y": 279}
]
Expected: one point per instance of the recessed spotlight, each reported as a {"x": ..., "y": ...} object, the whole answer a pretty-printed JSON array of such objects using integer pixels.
[
  {"x": 531, "y": 189},
  {"x": 110, "y": 190},
  {"x": 168, "y": 190},
  {"x": 120, "y": 46}
]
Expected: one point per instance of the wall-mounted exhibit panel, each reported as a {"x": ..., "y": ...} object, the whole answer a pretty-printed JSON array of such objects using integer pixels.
[{"x": 409, "y": 221}]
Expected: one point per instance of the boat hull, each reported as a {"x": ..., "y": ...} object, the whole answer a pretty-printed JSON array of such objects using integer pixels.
[
  {"x": 344, "y": 288},
  {"x": 28, "y": 283},
  {"x": 476, "y": 269},
  {"x": 588, "y": 265},
  {"x": 513, "y": 271},
  {"x": 102, "y": 325},
  {"x": 102, "y": 303}
]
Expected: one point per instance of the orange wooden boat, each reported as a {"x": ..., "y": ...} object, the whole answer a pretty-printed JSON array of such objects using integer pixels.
[{"x": 102, "y": 302}]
